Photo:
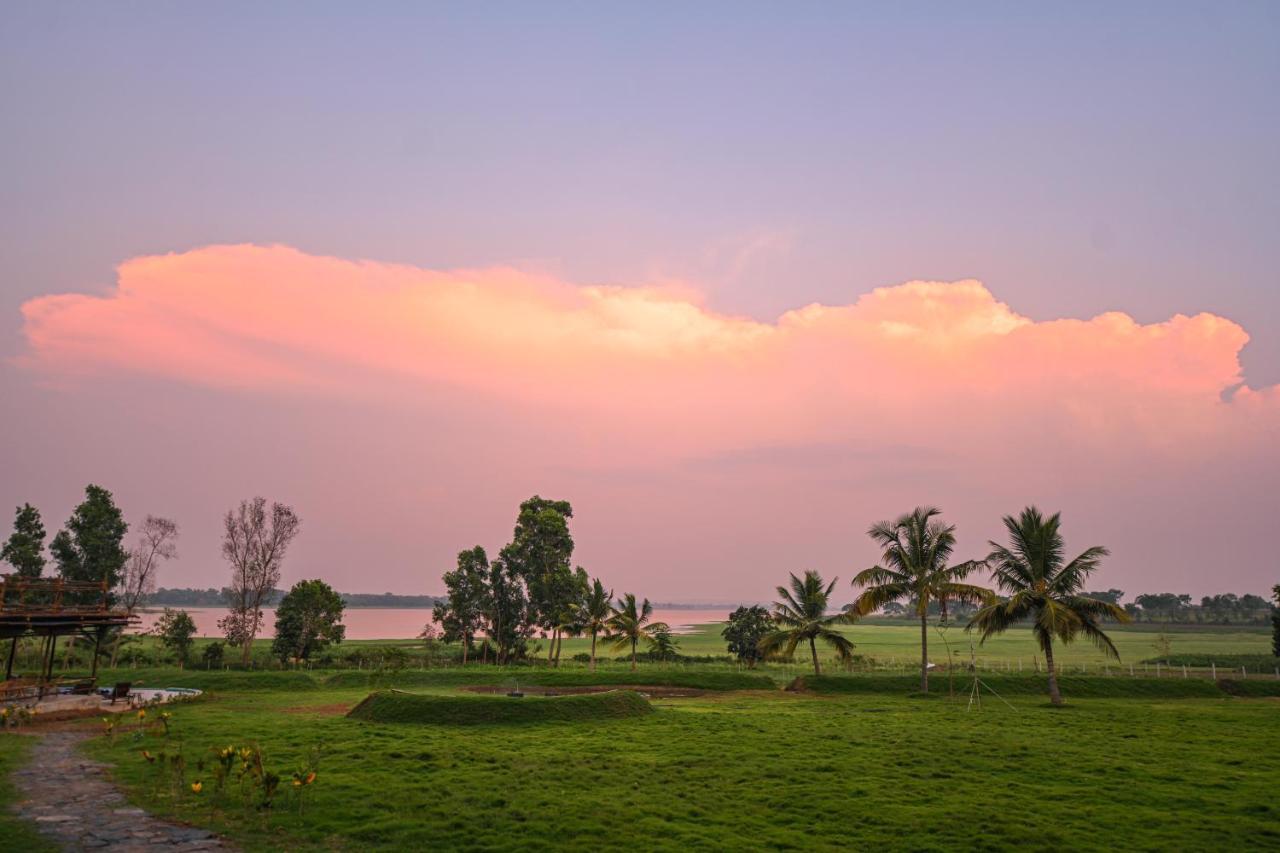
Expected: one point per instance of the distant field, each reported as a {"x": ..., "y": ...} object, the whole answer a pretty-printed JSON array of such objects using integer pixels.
[{"x": 851, "y": 762}]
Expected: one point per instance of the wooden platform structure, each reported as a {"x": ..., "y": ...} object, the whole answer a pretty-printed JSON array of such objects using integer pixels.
[{"x": 50, "y": 608}]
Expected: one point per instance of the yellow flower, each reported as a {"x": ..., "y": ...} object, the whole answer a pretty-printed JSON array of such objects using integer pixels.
[{"x": 197, "y": 787}]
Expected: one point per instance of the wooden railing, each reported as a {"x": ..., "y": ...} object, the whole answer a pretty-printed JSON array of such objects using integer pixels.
[{"x": 51, "y": 596}]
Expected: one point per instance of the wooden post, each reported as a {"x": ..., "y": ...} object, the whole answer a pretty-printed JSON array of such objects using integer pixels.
[
  {"x": 53, "y": 652},
  {"x": 13, "y": 650},
  {"x": 97, "y": 643}
]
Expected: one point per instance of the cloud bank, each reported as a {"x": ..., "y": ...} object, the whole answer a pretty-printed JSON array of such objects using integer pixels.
[
  {"x": 643, "y": 398},
  {"x": 912, "y": 362}
]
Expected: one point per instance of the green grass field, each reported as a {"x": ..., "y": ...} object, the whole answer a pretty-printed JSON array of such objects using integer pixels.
[
  {"x": 842, "y": 761},
  {"x": 853, "y": 761}
]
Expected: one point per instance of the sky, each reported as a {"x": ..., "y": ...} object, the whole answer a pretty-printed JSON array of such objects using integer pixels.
[{"x": 735, "y": 279}]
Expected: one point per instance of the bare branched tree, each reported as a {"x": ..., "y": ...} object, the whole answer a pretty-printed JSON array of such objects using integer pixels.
[
  {"x": 157, "y": 543},
  {"x": 254, "y": 542}
]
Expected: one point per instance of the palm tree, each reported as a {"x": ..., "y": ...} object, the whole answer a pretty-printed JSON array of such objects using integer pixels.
[
  {"x": 917, "y": 548},
  {"x": 594, "y": 615},
  {"x": 1046, "y": 590},
  {"x": 802, "y": 615},
  {"x": 627, "y": 625}
]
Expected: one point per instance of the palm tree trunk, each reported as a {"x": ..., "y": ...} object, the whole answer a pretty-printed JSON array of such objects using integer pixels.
[
  {"x": 924, "y": 653},
  {"x": 1054, "y": 696},
  {"x": 593, "y": 651},
  {"x": 813, "y": 650}
]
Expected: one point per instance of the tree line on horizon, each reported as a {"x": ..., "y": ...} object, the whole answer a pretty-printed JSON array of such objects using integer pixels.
[{"x": 531, "y": 588}]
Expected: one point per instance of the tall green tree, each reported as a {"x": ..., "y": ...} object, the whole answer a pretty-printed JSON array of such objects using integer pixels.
[
  {"x": 507, "y": 612},
  {"x": 540, "y": 553},
  {"x": 914, "y": 565},
  {"x": 629, "y": 624},
  {"x": 1046, "y": 589},
  {"x": 801, "y": 616},
  {"x": 24, "y": 549},
  {"x": 746, "y": 627},
  {"x": 308, "y": 619},
  {"x": 595, "y": 613},
  {"x": 463, "y": 616},
  {"x": 90, "y": 547}
]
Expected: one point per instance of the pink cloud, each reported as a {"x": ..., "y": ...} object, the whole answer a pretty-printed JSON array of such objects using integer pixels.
[{"x": 921, "y": 392}]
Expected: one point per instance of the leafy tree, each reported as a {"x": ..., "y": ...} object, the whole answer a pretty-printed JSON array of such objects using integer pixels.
[
  {"x": 254, "y": 542},
  {"x": 539, "y": 553},
  {"x": 662, "y": 642},
  {"x": 747, "y": 626},
  {"x": 25, "y": 548},
  {"x": 1275, "y": 622},
  {"x": 176, "y": 630},
  {"x": 89, "y": 548},
  {"x": 594, "y": 614},
  {"x": 507, "y": 612},
  {"x": 213, "y": 654},
  {"x": 1046, "y": 589},
  {"x": 914, "y": 564},
  {"x": 308, "y": 619},
  {"x": 801, "y": 616},
  {"x": 462, "y": 616},
  {"x": 629, "y": 624}
]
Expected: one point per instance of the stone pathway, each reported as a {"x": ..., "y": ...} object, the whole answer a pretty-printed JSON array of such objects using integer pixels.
[{"x": 72, "y": 802}]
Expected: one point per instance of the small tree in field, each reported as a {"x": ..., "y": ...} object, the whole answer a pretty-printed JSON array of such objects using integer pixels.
[
  {"x": 254, "y": 543},
  {"x": 1275, "y": 621},
  {"x": 156, "y": 543},
  {"x": 212, "y": 655},
  {"x": 308, "y": 619},
  {"x": 176, "y": 631},
  {"x": 662, "y": 642},
  {"x": 747, "y": 626}
]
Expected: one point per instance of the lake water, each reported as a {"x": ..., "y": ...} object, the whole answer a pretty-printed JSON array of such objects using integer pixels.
[{"x": 391, "y": 623}]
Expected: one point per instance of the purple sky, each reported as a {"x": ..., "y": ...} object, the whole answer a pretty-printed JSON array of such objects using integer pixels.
[{"x": 752, "y": 158}]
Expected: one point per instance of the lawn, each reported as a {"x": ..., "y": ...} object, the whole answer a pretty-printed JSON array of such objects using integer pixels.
[{"x": 853, "y": 762}]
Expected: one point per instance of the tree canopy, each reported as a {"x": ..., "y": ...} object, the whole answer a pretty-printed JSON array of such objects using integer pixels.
[
  {"x": 90, "y": 547},
  {"x": 24, "y": 549},
  {"x": 308, "y": 619}
]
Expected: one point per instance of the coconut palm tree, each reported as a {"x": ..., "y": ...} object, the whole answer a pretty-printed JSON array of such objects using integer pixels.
[
  {"x": 628, "y": 624},
  {"x": 1045, "y": 589},
  {"x": 594, "y": 615},
  {"x": 801, "y": 615},
  {"x": 916, "y": 550}
]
